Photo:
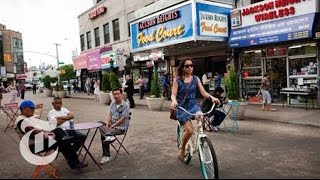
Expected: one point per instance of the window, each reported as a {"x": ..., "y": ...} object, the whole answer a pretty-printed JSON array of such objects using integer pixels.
[
  {"x": 97, "y": 37},
  {"x": 89, "y": 44},
  {"x": 98, "y": 1},
  {"x": 106, "y": 33},
  {"x": 116, "y": 30},
  {"x": 129, "y": 33},
  {"x": 82, "y": 42},
  {"x": 255, "y": 1}
]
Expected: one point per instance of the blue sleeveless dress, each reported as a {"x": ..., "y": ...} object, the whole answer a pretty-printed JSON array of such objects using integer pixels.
[{"x": 186, "y": 98}]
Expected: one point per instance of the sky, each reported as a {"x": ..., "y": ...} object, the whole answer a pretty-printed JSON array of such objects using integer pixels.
[{"x": 43, "y": 23}]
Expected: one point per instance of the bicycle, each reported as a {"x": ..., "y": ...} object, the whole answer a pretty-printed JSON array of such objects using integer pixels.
[{"x": 207, "y": 155}]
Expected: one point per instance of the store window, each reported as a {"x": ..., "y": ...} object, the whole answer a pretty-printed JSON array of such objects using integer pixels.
[
  {"x": 251, "y": 72},
  {"x": 82, "y": 42},
  {"x": 89, "y": 41},
  {"x": 116, "y": 30},
  {"x": 303, "y": 66},
  {"x": 106, "y": 33},
  {"x": 97, "y": 37}
]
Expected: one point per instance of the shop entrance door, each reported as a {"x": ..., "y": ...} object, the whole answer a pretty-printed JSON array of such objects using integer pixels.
[{"x": 276, "y": 67}]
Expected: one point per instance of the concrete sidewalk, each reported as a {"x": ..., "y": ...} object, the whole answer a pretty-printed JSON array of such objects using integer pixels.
[{"x": 286, "y": 114}]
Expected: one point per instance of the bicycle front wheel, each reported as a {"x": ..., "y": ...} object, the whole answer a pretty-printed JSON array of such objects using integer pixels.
[{"x": 208, "y": 159}]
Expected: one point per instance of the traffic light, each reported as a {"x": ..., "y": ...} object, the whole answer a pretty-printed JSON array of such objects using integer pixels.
[{"x": 7, "y": 57}]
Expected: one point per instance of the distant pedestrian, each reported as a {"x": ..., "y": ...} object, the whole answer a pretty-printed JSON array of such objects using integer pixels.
[
  {"x": 265, "y": 88},
  {"x": 205, "y": 81},
  {"x": 129, "y": 89},
  {"x": 165, "y": 86},
  {"x": 142, "y": 85},
  {"x": 96, "y": 90},
  {"x": 34, "y": 88},
  {"x": 22, "y": 89},
  {"x": 75, "y": 87},
  {"x": 69, "y": 87},
  {"x": 217, "y": 80},
  {"x": 88, "y": 86}
]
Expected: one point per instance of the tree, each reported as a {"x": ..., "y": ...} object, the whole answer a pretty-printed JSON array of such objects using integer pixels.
[
  {"x": 155, "y": 85},
  {"x": 232, "y": 84},
  {"x": 106, "y": 85},
  {"x": 69, "y": 72},
  {"x": 114, "y": 81}
]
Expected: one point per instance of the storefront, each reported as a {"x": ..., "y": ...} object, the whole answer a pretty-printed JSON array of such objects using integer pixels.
[
  {"x": 94, "y": 63},
  {"x": 196, "y": 29},
  {"x": 277, "y": 38}
]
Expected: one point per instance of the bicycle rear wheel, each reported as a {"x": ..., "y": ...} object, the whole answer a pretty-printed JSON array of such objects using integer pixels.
[{"x": 208, "y": 159}]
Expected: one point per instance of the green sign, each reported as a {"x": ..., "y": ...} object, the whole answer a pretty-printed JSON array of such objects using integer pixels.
[{"x": 61, "y": 62}]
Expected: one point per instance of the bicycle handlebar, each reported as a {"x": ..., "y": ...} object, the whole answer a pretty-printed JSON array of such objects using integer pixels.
[{"x": 192, "y": 114}]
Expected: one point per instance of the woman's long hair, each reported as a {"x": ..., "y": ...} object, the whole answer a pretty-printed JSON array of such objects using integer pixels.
[{"x": 181, "y": 66}]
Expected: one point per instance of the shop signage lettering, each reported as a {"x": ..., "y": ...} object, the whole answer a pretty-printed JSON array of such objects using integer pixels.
[
  {"x": 272, "y": 10},
  {"x": 213, "y": 24},
  {"x": 97, "y": 12},
  {"x": 162, "y": 18},
  {"x": 160, "y": 34}
]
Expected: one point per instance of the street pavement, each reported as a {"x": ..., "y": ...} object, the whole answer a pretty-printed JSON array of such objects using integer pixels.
[
  {"x": 261, "y": 148},
  {"x": 294, "y": 115}
]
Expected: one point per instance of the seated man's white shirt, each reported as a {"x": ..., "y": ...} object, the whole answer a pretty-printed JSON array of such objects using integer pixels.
[{"x": 62, "y": 112}]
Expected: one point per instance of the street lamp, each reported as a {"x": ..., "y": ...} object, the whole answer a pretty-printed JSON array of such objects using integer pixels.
[{"x": 58, "y": 69}]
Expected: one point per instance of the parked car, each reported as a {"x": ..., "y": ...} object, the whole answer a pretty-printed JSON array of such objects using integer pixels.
[{"x": 28, "y": 86}]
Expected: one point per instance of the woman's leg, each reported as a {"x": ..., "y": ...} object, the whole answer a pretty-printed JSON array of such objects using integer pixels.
[{"x": 188, "y": 130}]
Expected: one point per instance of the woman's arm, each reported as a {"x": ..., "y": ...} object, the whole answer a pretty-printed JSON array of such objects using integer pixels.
[{"x": 174, "y": 90}]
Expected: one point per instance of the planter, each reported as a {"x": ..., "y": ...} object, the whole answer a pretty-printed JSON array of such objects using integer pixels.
[
  {"x": 104, "y": 98},
  {"x": 62, "y": 94},
  {"x": 47, "y": 92},
  {"x": 241, "y": 110},
  {"x": 55, "y": 94},
  {"x": 155, "y": 104}
]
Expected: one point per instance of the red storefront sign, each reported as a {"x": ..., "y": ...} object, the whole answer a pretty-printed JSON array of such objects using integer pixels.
[
  {"x": 80, "y": 62},
  {"x": 97, "y": 12}
]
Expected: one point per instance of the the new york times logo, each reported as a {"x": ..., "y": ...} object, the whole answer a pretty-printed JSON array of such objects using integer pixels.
[{"x": 44, "y": 126}]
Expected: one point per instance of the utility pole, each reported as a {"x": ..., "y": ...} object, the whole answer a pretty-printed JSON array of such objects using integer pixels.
[{"x": 58, "y": 68}]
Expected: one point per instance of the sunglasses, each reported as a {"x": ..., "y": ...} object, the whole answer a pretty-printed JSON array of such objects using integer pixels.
[{"x": 188, "y": 65}]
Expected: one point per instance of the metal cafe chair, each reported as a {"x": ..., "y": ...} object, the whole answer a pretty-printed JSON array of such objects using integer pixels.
[
  {"x": 11, "y": 111},
  {"x": 120, "y": 140}
]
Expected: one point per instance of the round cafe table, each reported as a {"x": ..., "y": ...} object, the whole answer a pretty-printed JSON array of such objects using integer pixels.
[{"x": 87, "y": 126}]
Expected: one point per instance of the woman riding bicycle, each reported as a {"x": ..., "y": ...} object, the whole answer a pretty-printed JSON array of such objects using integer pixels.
[{"x": 184, "y": 92}]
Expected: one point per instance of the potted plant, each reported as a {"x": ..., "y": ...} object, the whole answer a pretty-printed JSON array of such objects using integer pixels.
[
  {"x": 233, "y": 93},
  {"x": 104, "y": 94},
  {"x": 155, "y": 101},
  {"x": 114, "y": 83},
  {"x": 47, "y": 84},
  {"x": 62, "y": 93}
]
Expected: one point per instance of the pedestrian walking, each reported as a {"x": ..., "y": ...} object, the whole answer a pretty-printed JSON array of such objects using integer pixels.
[
  {"x": 142, "y": 85},
  {"x": 22, "y": 89},
  {"x": 129, "y": 89},
  {"x": 34, "y": 88},
  {"x": 165, "y": 86},
  {"x": 265, "y": 88}
]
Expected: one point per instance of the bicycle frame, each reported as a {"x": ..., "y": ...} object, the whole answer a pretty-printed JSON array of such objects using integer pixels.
[{"x": 198, "y": 132}]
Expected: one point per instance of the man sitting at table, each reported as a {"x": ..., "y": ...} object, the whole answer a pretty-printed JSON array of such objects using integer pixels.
[
  {"x": 25, "y": 123},
  {"x": 63, "y": 117},
  {"x": 218, "y": 115},
  {"x": 117, "y": 122}
]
